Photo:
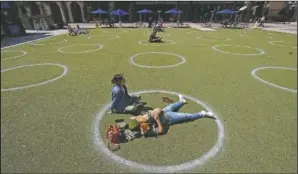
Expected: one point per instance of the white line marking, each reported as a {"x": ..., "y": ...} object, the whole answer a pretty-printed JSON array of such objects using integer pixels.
[
  {"x": 254, "y": 71},
  {"x": 15, "y": 57},
  {"x": 169, "y": 42},
  {"x": 131, "y": 59},
  {"x": 78, "y": 52},
  {"x": 65, "y": 70},
  {"x": 51, "y": 43},
  {"x": 261, "y": 52},
  {"x": 280, "y": 45},
  {"x": 110, "y": 37},
  {"x": 121, "y": 32},
  {"x": 192, "y": 32},
  {"x": 216, "y": 38},
  {"x": 248, "y": 37},
  {"x": 162, "y": 34},
  {"x": 100, "y": 144}
]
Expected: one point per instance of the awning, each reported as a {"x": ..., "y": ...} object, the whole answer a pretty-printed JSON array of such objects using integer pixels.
[
  {"x": 242, "y": 8},
  {"x": 4, "y": 5}
]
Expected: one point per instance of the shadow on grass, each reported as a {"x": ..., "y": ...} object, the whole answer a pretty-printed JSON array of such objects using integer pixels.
[{"x": 10, "y": 41}]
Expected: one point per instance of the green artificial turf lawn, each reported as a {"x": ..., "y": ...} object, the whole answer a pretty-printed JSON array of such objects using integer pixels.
[
  {"x": 10, "y": 54},
  {"x": 156, "y": 60},
  {"x": 29, "y": 75},
  {"x": 284, "y": 78},
  {"x": 48, "y": 129}
]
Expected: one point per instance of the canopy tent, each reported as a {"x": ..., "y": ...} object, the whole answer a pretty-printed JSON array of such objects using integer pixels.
[
  {"x": 227, "y": 11},
  {"x": 144, "y": 11}
]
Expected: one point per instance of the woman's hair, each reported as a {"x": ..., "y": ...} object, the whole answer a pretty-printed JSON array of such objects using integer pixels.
[
  {"x": 145, "y": 127},
  {"x": 116, "y": 78}
]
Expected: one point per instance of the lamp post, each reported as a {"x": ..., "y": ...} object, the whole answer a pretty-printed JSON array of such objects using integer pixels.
[{"x": 158, "y": 14}]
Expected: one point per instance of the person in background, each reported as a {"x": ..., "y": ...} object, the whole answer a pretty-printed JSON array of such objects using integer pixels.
[
  {"x": 71, "y": 31},
  {"x": 80, "y": 31},
  {"x": 153, "y": 37},
  {"x": 262, "y": 21}
]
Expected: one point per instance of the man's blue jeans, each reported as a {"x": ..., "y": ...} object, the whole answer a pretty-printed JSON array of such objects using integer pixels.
[{"x": 171, "y": 112}]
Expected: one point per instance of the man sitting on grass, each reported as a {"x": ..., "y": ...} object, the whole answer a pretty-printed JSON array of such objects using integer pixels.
[
  {"x": 122, "y": 102},
  {"x": 71, "y": 31},
  {"x": 153, "y": 38}
]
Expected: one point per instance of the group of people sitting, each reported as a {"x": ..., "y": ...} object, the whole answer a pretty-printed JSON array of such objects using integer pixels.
[
  {"x": 76, "y": 31},
  {"x": 151, "y": 123}
]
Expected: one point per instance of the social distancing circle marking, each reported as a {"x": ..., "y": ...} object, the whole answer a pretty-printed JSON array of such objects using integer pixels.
[
  {"x": 24, "y": 53},
  {"x": 131, "y": 59},
  {"x": 65, "y": 70},
  {"x": 117, "y": 32},
  {"x": 254, "y": 71},
  {"x": 99, "y": 47},
  {"x": 146, "y": 42},
  {"x": 213, "y": 38},
  {"x": 51, "y": 43},
  {"x": 281, "y": 44},
  {"x": 216, "y": 48},
  {"x": 101, "y": 146},
  {"x": 109, "y": 37}
]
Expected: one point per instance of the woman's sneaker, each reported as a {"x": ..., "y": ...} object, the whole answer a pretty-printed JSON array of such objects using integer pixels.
[
  {"x": 207, "y": 114},
  {"x": 182, "y": 99}
]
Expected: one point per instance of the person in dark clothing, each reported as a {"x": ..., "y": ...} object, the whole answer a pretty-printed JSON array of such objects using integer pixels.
[{"x": 153, "y": 38}]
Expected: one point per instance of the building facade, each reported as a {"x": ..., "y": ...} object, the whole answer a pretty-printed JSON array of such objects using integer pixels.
[{"x": 63, "y": 12}]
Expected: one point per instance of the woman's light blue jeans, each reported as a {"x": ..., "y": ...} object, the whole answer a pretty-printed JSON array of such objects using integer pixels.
[{"x": 171, "y": 112}]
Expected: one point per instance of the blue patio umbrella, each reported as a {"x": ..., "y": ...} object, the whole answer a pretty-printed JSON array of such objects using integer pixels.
[
  {"x": 173, "y": 11},
  {"x": 4, "y": 5},
  {"x": 226, "y": 11},
  {"x": 99, "y": 11},
  {"x": 144, "y": 11},
  {"x": 119, "y": 12}
]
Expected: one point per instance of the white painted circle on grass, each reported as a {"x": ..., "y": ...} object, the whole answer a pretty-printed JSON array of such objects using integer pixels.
[
  {"x": 51, "y": 43},
  {"x": 215, "y": 48},
  {"x": 131, "y": 59},
  {"x": 254, "y": 71},
  {"x": 101, "y": 146},
  {"x": 109, "y": 37},
  {"x": 148, "y": 34},
  {"x": 118, "y": 32},
  {"x": 190, "y": 32},
  {"x": 24, "y": 53},
  {"x": 246, "y": 36},
  {"x": 277, "y": 43},
  {"x": 146, "y": 42},
  {"x": 99, "y": 47},
  {"x": 215, "y": 38},
  {"x": 65, "y": 70}
]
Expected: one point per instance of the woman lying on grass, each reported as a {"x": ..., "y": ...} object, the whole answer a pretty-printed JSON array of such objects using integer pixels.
[
  {"x": 160, "y": 119},
  {"x": 122, "y": 102}
]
